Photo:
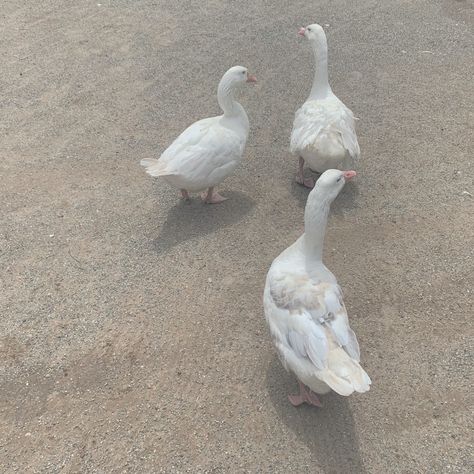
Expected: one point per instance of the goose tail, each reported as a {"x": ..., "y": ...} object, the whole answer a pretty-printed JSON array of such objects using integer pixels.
[
  {"x": 345, "y": 375},
  {"x": 154, "y": 167}
]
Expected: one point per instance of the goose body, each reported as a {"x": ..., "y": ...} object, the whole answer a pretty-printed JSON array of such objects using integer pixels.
[
  {"x": 203, "y": 155},
  {"x": 323, "y": 134},
  {"x": 305, "y": 311},
  {"x": 210, "y": 149}
]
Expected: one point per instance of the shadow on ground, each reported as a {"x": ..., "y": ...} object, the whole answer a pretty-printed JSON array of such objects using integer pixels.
[
  {"x": 193, "y": 219},
  {"x": 328, "y": 432}
]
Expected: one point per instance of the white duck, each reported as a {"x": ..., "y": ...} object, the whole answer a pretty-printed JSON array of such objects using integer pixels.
[
  {"x": 305, "y": 311},
  {"x": 323, "y": 133},
  {"x": 209, "y": 150}
]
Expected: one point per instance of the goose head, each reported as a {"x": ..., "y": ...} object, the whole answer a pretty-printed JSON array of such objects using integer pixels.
[
  {"x": 232, "y": 81},
  {"x": 331, "y": 182},
  {"x": 237, "y": 76},
  {"x": 313, "y": 33}
]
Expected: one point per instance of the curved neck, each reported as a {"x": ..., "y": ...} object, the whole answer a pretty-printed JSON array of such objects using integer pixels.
[
  {"x": 225, "y": 97},
  {"x": 320, "y": 82},
  {"x": 315, "y": 221}
]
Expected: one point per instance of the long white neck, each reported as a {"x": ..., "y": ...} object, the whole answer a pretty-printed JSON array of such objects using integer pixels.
[
  {"x": 225, "y": 97},
  {"x": 321, "y": 86},
  {"x": 315, "y": 222}
]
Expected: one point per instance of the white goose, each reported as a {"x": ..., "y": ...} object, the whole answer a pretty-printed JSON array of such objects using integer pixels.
[
  {"x": 323, "y": 133},
  {"x": 305, "y": 311},
  {"x": 209, "y": 150}
]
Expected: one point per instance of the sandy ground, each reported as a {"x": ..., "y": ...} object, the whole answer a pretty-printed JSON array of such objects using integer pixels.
[{"x": 132, "y": 336}]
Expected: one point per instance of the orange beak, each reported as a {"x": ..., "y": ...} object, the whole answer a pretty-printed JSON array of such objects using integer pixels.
[
  {"x": 302, "y": 31},
  {"x": 251, "y": 78}
]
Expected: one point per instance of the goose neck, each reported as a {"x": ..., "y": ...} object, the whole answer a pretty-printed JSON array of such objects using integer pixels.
[
  {"x": 226, "y": 99},
  {"x": 320, "y": 86},
  {"x": 315, "y": 222}
]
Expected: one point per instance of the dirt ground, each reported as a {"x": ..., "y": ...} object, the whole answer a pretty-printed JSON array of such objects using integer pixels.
[{"x": 132, "y": 336}]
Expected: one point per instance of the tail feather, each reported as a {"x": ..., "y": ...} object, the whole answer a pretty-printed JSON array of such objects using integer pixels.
[
  {"x": 338, "y": 384},
  {"x": 146, "y": 162},
  {"x": 344, "y": 375},
  {"x": 154, "y": 167}
]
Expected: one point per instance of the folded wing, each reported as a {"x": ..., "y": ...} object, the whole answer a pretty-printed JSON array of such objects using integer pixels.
[{"x": 311, "y": 320}]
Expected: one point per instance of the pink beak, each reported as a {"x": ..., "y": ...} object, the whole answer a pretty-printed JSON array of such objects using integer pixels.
[
  {"x": 251, "y": 78},
  {"x": 302, "y": 31},
  {"x": 349, "y": 175}
]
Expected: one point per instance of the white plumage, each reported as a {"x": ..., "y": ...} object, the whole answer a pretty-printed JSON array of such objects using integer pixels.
[
  {"x": 323, "y": 133},
  {"x": 324, "y": 136},
  {"x": 209, "y": 150},
  {"x": 305, "y": 310}
]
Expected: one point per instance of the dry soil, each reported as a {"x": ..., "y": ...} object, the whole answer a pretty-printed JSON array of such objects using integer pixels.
[{"x": 132, "y": 336}]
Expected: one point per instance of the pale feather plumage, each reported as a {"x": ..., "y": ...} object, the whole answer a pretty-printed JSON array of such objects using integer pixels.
[
  {"x": 324, "y": 134},
  {"x": 210, "y": 149},
  {"x": 324, "y": 128},
  {"x": 308, "y": 321}
]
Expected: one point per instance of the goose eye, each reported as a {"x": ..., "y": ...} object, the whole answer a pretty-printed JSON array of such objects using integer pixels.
[
  {"x": 243, "y": 72},
  {"x": 309, "y": 29},
  {"x": 338, "y": 179}
]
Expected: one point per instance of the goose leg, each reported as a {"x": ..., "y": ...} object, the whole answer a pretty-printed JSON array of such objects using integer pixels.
[
  {"x": 305, "y": 396},
  {"x": 300, "y": 179},
  {"x": 212, "y": 197},
  {"x": 184, "y": 194}
]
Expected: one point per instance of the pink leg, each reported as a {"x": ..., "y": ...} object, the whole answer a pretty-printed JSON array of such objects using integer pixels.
[
  {"x": 185, "y": 194},
  {"x": 212, "y": 197},
  {"x": 305, "y": 396},
  {"x": 300, "y": 179}
]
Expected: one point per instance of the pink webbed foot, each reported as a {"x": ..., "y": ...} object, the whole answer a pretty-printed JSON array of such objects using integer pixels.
[
  {"x": 185, "y": 195},
  {"x": 305, "y": 396},
  {"x": 211, "y": 197},
  {"x": 300, "y": 179},
  {"x": 307, "y": 182},
  {"x": 296, "y": 400},
  {"x": 313, "y": 400}
]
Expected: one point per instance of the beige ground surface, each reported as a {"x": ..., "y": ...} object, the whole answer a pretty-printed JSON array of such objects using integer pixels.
[{"x": 131, "y": 333}]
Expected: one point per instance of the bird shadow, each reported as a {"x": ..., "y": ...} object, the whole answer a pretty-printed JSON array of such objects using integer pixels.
[
  {"x": 346, "y": 200},
  {"x": 328, "y": 432},
  {"x": 189, "y": 220}
]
